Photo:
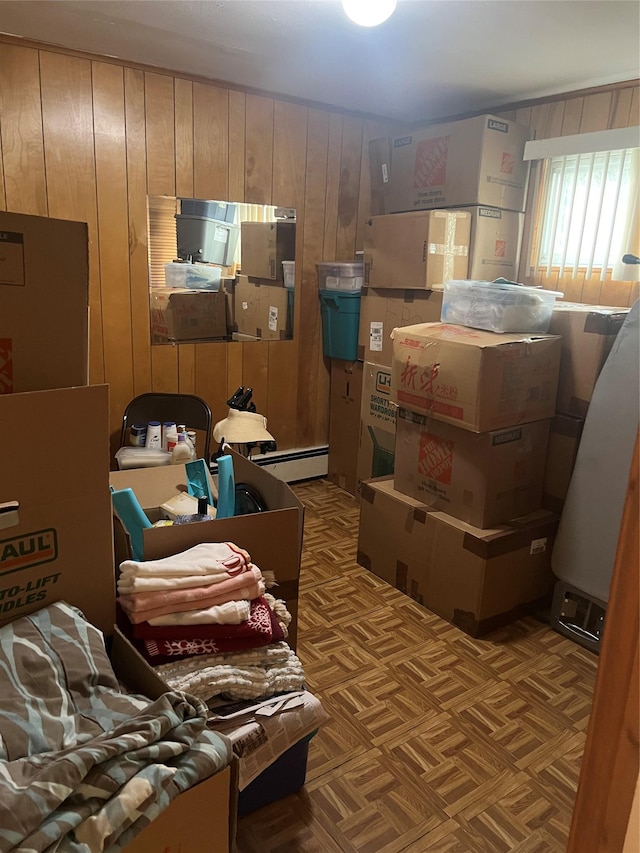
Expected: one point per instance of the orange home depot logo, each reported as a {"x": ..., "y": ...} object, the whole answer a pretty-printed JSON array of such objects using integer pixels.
[
  {"x": 508, "y": 162},
  {"x": 31, "y": 549},
  {"x": 501, "y": 249},
  {"x": 6, "y": 366},
  {"x": 431, "y": 162},
  {"x": 435, "y": 458}
]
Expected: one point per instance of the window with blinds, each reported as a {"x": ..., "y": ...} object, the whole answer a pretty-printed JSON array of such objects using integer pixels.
[{"x": 587, "y": 214}]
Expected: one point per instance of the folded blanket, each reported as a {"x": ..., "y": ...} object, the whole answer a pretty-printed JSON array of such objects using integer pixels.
[
  {"x": 229, "y": 615},
  {"x": 204, "y": 559},
  {"x": 147, "y": 605},
  {"x": 241, "y": 675},
  {"x": 83, "y": 766},
  {"x": 256, "y": 621},
  {"x": 132, "y": 584}
]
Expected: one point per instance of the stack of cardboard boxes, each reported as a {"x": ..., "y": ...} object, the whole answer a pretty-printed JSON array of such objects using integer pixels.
[{"x": 261, "y": 300}]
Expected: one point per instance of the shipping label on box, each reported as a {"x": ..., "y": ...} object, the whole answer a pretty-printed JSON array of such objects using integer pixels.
[
  {"x": 476, "y": 579},
  {"x": 381, "y": 311},
  {"x": 474, "y": 379},
  {"x": 588, "y": 332},
  {"x": 484, "y": 479},
  {"x": 473, "y": 161},
  {"x": 496, "y": 238},
  {"x": 377, "y": 424},
  {"x": 418, "y": 250}
]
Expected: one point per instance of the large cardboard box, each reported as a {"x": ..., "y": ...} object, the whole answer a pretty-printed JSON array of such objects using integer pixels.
[
  {"x": 262, "y": 309},
  {"x": 44, "y": 303},
  {"x": 264, "y": 246},
  {"x": 473, "y": 379},
  {"x": 273, "y": 538},
  {"x": 484, "y": 478},
  {"x": 56, "y": 540},
  {"x": 496, "y": 239},
  {"x": 381, "y": 311},
  {"x": 418, "y": 250},
  {"x": 476, "y": 579},
  {"x": 187, "y": 315},
  {"x": 376, "y": 448},
  {"x": 344, "y": 423},
  {"x": 564, "y": 440},
  {"x": 588, "y": 333},
  {"x": 473, "y": 161},
  {"x": 379, "y": 174}
]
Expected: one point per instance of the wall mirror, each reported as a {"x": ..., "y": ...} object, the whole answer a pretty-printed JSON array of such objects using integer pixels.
[{"x": 219, "y": 270}]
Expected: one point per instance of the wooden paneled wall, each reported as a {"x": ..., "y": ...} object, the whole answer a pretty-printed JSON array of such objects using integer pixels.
[
  {"x": 87, "y": 138},
  {"x": 599, "y": 110}
]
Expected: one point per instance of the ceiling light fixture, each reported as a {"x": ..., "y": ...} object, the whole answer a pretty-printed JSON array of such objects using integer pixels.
[{"x": 369, "y": 13}]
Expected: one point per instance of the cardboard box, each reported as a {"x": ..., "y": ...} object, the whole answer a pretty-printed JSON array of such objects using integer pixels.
[
  {"x": 228, "y": 286},
  {"x": 200, "y": 820},
  {"x": 58, "y": 543},
  {"x": 588, "y": 333},
  {"x": 473, "y": 161},
  {"x": 496, "y": 239},
  {"x": 273, "y": 538},
  {"x": 376, "y": 447},
  {"x": 476, "y": 579},
  {"x": 418, "y": 250},
  {"x": 264, "y": 246},
  {"x": 564, "y": 440},
  {"x": 262, "y": 309},
  {"x": 381, "y": 311},
  {"x": 186, "y": 315},
  {"x": 344, "y": 423},
  {"x": 474, "y": 379},
  {"x": 483, "y": 478},
  {"x": 379, "y": 174},
  {"x": 44, "y": 303}
]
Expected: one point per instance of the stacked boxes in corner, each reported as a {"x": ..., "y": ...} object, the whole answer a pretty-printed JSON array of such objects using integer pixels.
[{"x": 262, "y": 306}]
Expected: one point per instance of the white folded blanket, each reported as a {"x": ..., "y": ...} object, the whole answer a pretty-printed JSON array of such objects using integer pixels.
[
  {"x": 207, "y": 558},
  {"x": 231, "y": 613},
  {"x": 132, "y": 584}
]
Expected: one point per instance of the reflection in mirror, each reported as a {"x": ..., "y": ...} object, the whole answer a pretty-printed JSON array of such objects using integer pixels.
[{"x": 219, "y": 271}]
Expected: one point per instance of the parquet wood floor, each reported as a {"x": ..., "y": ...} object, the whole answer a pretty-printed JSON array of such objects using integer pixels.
[{"x": 437, "y": 742}]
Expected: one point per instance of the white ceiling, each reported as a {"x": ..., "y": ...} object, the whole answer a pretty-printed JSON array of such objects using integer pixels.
[{"x": 433, "y": 58}]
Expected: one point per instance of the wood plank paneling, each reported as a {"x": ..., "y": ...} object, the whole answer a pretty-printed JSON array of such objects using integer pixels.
[
  {"x": 111, "y": 187},
  {"x": 21, "y": 130},
  {"x": 258, "y": 149},
  {"x": 236, "y": 145},
  {"x": 255, "y": 372},
  {"x": 621, "y": 108},
  {"x": 333, "y": 189},
  {"x": 572, "y": 116},
  {"x": 210, "y": 142},
  {"x": 68, "y": 133},
  {"x": 349, "y": 188},
  {"x": 595, "y": 112},
  {"x": 3, "y": 198},
  {"x": 138, "y": 259},
  {"x": 211, "y": 377}
]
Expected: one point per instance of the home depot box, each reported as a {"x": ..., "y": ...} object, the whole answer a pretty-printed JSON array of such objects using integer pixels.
[
  {"x": 496, "y": 238},
  {"x": 56, "y": 541},
  {"x": 484, "y": 478},
  {"x": 376, "y": 446},
  {"x": 588, "y": 333},
  {"x": 179, "y": 315},
  {"x": 381, "y": 311},
  {"x": 273, "y": 538},
  {"x": 344, "y": 423},
  {"x": 418, "y": 250},
  {"x": 264, "y": 246},
  {"x": 477, "y": 579},
  {"x": 474, "y": 379},
  {"x": 262, "y": 309},
  {"x": 44, "y": 303},
  {"x": 564, "y": 440},
  {"x": 474, "y": 161}
]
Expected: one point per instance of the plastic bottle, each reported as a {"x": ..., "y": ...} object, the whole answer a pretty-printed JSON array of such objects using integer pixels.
[
  {"x": 169, "y": 434},
  {"x": 181, "y": 453},
  {"x": 154, "y": 435}
]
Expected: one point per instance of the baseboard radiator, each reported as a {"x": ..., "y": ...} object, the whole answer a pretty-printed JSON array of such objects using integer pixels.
[{"x": 293, "y": 465}]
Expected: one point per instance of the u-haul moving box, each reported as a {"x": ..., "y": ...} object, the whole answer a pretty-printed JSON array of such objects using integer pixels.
[
  {"x": 377, "y": 423},
  {"x": 473, "y": 161}
]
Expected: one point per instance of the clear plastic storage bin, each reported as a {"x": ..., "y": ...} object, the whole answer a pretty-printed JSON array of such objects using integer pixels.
[
  {"x": 289, "y": 274},
  {"x": 192, "y": 276},
  {"x": 497, "y": 306},
  {"x": 339, "y": 276}
]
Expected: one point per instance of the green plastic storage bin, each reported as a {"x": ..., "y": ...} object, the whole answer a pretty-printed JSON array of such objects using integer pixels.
[{"x": 340, "y": 320}]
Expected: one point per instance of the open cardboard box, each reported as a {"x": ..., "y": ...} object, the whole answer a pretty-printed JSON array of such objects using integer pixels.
[
  {"x": 56, "y": 543},
  {"x": 272, "y": 538}
]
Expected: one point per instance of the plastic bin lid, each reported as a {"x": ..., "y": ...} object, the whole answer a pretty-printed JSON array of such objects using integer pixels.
[{"x": 499, "y": 284}]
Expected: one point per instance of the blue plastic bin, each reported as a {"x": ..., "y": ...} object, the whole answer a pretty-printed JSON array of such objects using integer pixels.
[{"x": 340, "y": 320}]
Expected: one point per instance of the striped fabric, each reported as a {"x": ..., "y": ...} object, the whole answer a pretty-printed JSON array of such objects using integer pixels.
[{"x": 85, "y": 767}]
